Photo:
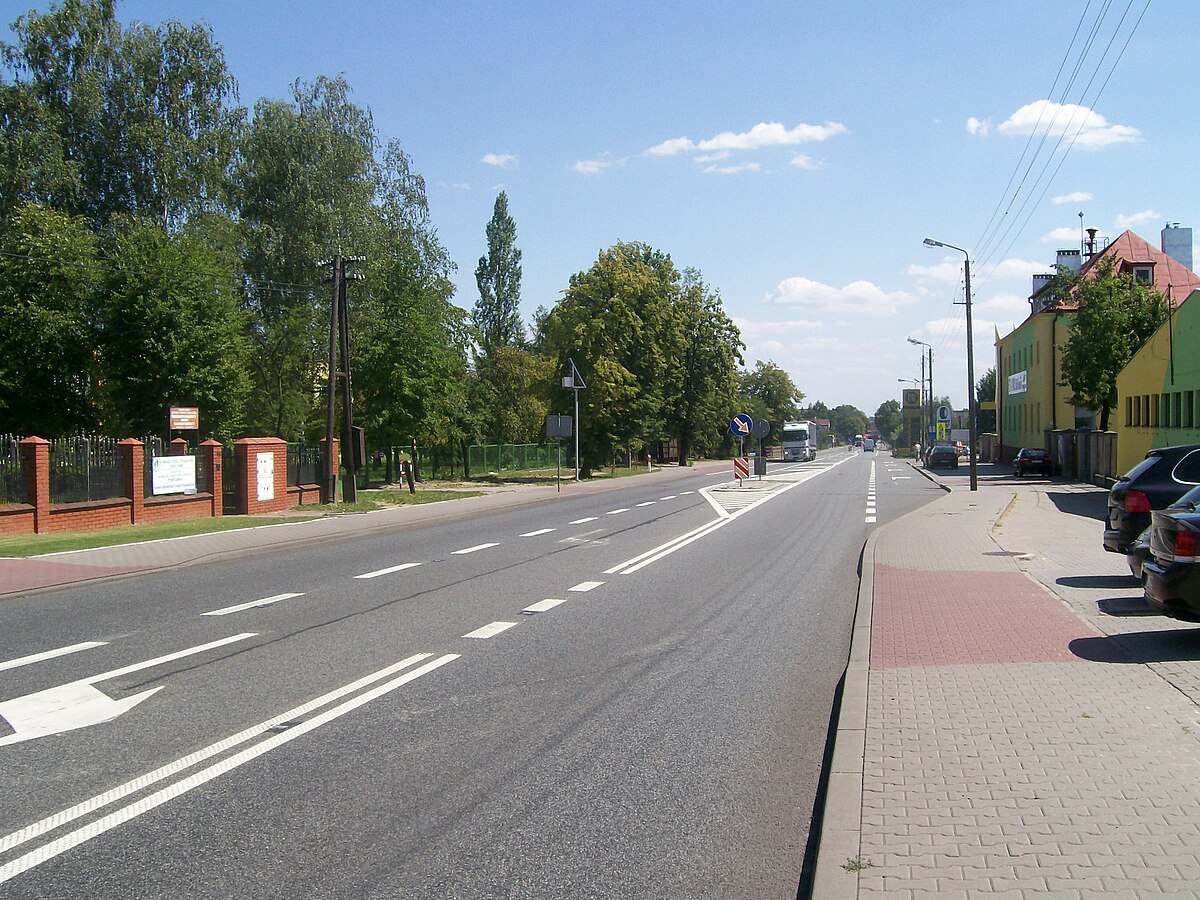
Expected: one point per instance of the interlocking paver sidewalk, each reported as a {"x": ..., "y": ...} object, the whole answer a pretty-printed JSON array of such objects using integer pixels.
[{"x": 1023, "y": 726}]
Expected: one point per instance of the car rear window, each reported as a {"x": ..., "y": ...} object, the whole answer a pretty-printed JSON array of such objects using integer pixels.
[
  {"x": 1188, "y": 468},
  {"x": 1141, "y": 468},
  {"x": 1035, "y": 454}
]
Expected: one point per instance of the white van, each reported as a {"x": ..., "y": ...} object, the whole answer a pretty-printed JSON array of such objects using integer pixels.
[{"x": 868, "y": 445}]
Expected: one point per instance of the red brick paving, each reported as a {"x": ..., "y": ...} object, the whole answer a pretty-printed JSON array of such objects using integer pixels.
[{"x": 940, "y": 618}]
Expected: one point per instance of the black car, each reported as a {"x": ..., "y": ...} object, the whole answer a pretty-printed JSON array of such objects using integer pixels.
[
  {"x": 940, "y": 456},
  {"x": 1171, "y": 574},
  {"x": 1030, "y": 460},
  {"x": 1137, "y": 554},
  {"x": 1156, "y": 482}
]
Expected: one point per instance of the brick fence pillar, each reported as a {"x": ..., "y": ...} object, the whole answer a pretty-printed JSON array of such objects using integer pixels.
[
  {"x": 133, "y": 465},
  {"x": 35, "y": 462},
  {"x": 179, "y": 447},
  {"x": 265, "y": 490},
  {"x": 210, "y": 460}
]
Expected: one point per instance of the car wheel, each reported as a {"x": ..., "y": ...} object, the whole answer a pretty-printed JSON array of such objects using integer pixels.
[{"x": 1017, "y": 473}]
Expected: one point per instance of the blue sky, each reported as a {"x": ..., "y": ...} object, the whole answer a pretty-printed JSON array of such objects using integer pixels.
[{"x": 795, "y": 153}]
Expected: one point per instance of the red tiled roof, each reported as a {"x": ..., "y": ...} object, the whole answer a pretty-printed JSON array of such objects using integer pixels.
[{"x": 1172, "y": 279}]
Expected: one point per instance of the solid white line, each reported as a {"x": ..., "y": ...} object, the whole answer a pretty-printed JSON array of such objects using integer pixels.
[
  {"x": 613, "y": 512},
  {"x": 543, "y": 605},
  {"x": 491, "y": 630},
  {"x": 266, "y": 601},
  {"x": 191, "y": 651},
  {"x": 388, "y": 571},
  {"x": 648, "y": 503},
  {"x": 49, "y": 654},
  {"x": 473, "y": 549},
  {"x": 585, "y": 586},
  {"x": 111, "y": 821},
  {"x": 539, "y": 531},
  {"x": 584, "y": 519}
]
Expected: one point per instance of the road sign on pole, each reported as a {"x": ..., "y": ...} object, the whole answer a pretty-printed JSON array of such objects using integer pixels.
[
  {"x": 741, "y": 425},
  {"x": 741, "y": 467}
]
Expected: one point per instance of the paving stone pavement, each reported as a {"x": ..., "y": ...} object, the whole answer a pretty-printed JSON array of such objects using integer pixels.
[{"x": 1015, "y": 722}]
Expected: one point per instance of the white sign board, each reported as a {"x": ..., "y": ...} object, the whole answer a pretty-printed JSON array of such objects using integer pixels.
[
  {"x": 173, "y": 475},
  {"x": 1018, "y": 383},
  {"x": 265, "y": 465}
]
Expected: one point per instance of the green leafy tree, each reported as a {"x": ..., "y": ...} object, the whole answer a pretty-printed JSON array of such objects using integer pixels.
[
  {"x": 985, "y": 391},
  {"x": 846, "y": 421},
  {"x": 1116, "y": 316},
  {"x": 174, "y": 334},
  {"x": 497, "y": 313},
  {"x": 887, "y": 419},
  {"x": 49, "y": 289},
  {"x": 772, "y": 395}
]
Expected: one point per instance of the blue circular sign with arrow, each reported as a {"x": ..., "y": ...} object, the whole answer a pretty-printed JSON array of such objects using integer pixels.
[{"x": 741, "y": 425}]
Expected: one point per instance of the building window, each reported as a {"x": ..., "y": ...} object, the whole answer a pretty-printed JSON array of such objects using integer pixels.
[
  {"x": 1177, "y": 410},
  {"x": 1189, "y": 412},
  {"x": 1128, "y": 412},
  {"x": 1155, "y": 408},
  {"x": 1145, "y": 410},
  {"x": 1143, "y": 274}
]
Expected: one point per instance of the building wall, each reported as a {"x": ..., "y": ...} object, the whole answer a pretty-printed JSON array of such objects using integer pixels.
[
  {"x": 1035, "y": 349},
  {"x": 1158, "y": 392}
]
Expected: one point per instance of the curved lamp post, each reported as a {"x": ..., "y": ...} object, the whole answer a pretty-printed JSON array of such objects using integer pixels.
[{"x": 930, "y": 242}]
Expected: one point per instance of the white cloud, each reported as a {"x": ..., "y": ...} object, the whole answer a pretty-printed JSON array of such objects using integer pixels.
[
  {"x": 1086, "y": 128},
  {"x": 945, "y": 271},
  {"x": 733, "y": 170},
  {"x": 500, "y": 160},
  {"x": 1060, "y": 236},
  {"x": 996, "y": 304},
  {"x": 856, "y": 297},
  {"x": 591, "y": 166},
  {"x": 764, "y": 134},
  {"x": 980, "y": 127},
  {"x": 714, "y": 157},
  {"x": 1149, "y": 215},
  {"x": 1073, "y": 197},
  {"x": 804, "y": 161},
  {"x": 1016, "y": 268}
]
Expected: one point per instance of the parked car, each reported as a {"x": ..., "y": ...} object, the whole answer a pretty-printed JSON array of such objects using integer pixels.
[
  {"x": 1171, "y": 574},
  {"x": 1137, "y": 554},
  {"x": 1030, "y": 460},
  {"x": 943, "y": 455},
  {"x": 1160, "y": 479}
]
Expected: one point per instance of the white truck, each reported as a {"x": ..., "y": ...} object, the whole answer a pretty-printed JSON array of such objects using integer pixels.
[{"x": 799, "y": 441}]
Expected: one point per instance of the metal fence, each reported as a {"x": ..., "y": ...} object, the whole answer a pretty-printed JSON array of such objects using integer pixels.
[
  {"x": 484, "y": 458},
  {"x": 85, "y": 467},
  {"x": 12, "y": 477},
  {"x": 304, "y": 464},
  {"x": 154, "y": 447}
]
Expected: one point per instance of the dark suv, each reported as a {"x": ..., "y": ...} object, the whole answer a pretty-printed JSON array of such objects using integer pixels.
[
  {"x": 942, "y": 455},
  {"x": 1030, "y": 460},
  {"x": 1156, "y": 482}
]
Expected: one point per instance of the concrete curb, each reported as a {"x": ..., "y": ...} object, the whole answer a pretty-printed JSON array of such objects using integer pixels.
[{"x": 841, "y": 823}]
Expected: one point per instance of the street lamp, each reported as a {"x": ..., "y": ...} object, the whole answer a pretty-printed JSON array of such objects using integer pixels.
[
  {"x": 929, "y": 406},
  {"x": 930, "y": 242}
]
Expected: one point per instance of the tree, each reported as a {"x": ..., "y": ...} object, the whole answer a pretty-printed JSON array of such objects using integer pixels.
[
  {"x": 772, "y": 395},
  {"x": 173, "y": 334},
  {"x": 1115, "y": 317},
  {"x": 985, "y": 391},
  {"x": 497, "y": 311},
  {"x": 888, "y": 419},
  {"x": 846, "y": 421},
  {"x": 49, "y": 288}
]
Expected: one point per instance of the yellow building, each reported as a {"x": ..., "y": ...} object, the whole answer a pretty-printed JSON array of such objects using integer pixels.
[{"x": 1158, "y": 392}]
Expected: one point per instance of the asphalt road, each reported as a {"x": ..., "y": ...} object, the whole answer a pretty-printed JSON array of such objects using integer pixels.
[{"x": 624, "y": 694}]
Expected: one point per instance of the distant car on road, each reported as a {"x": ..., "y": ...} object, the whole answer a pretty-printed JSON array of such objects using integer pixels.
[
  {"x": 868, "y": 445},
  {"x": 1160, "y": 479},
  {"x": 1171, "y": 574},
  {"x": 942, "y": 456},
  {"x": 1030, "y": 460}
]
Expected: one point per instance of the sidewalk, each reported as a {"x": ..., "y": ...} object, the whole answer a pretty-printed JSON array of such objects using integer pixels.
[
  {"x": 1014, "y": 721},
  {"x": 57, "y": 569}
]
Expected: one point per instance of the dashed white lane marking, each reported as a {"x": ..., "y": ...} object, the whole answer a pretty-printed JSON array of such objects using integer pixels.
[
  {"x": 473, "y": 549},
  {"x": 685, "y": 493},
  {"x": 668, "y": 497},
  {"x": 543, "y": 605},
  {"x": 49, "y": 654},
  {"x": 613, "y": 512},
  {"x": 584, "y": 519},
  {"x": 539, "y": 531},
  {"x": 265, "y": 601},
  {"x": 869, "y": 519},
  {"x": 585, "y": 586},
  {"x": 94, "y": 829},
  {"x": 648, "y": 503},
  {"x": 388, "y": 571},
  {"x": 170, "y": 657},
  {"x": 491, "y": 630}
]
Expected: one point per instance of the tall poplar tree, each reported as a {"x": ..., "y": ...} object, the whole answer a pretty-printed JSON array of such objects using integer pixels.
[{"x": 497, "y": 312}]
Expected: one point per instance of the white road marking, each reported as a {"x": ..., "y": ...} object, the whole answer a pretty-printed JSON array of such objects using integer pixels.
[
  {"x": 685, "y": 493},
  {"x": 265, "y": 601},
  {"x": 388, "y": 571},
  {"x": 870, "y": 519},
  {"x": 100, "y": 826},
  {"x": 613, "y": 512},
  {"x": 668, "y": 497},
  {"x": 491, "y": 630},
  {"x": 543, "y": 605},
  {"x": 539, "y": 531},
  {"x": 584, "y": 519},
  {"x": 49, "y": 654},
  {"x": 900, "y": 477},
  {"x": 170, "y": 657},
  {"x": 585, "y": 586},
  {"x": 648, "y": 503},
  {"x": 473, "y": 549}
]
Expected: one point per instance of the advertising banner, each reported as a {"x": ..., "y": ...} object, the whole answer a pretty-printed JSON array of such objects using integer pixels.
[{"x": 173, "y": 475}]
